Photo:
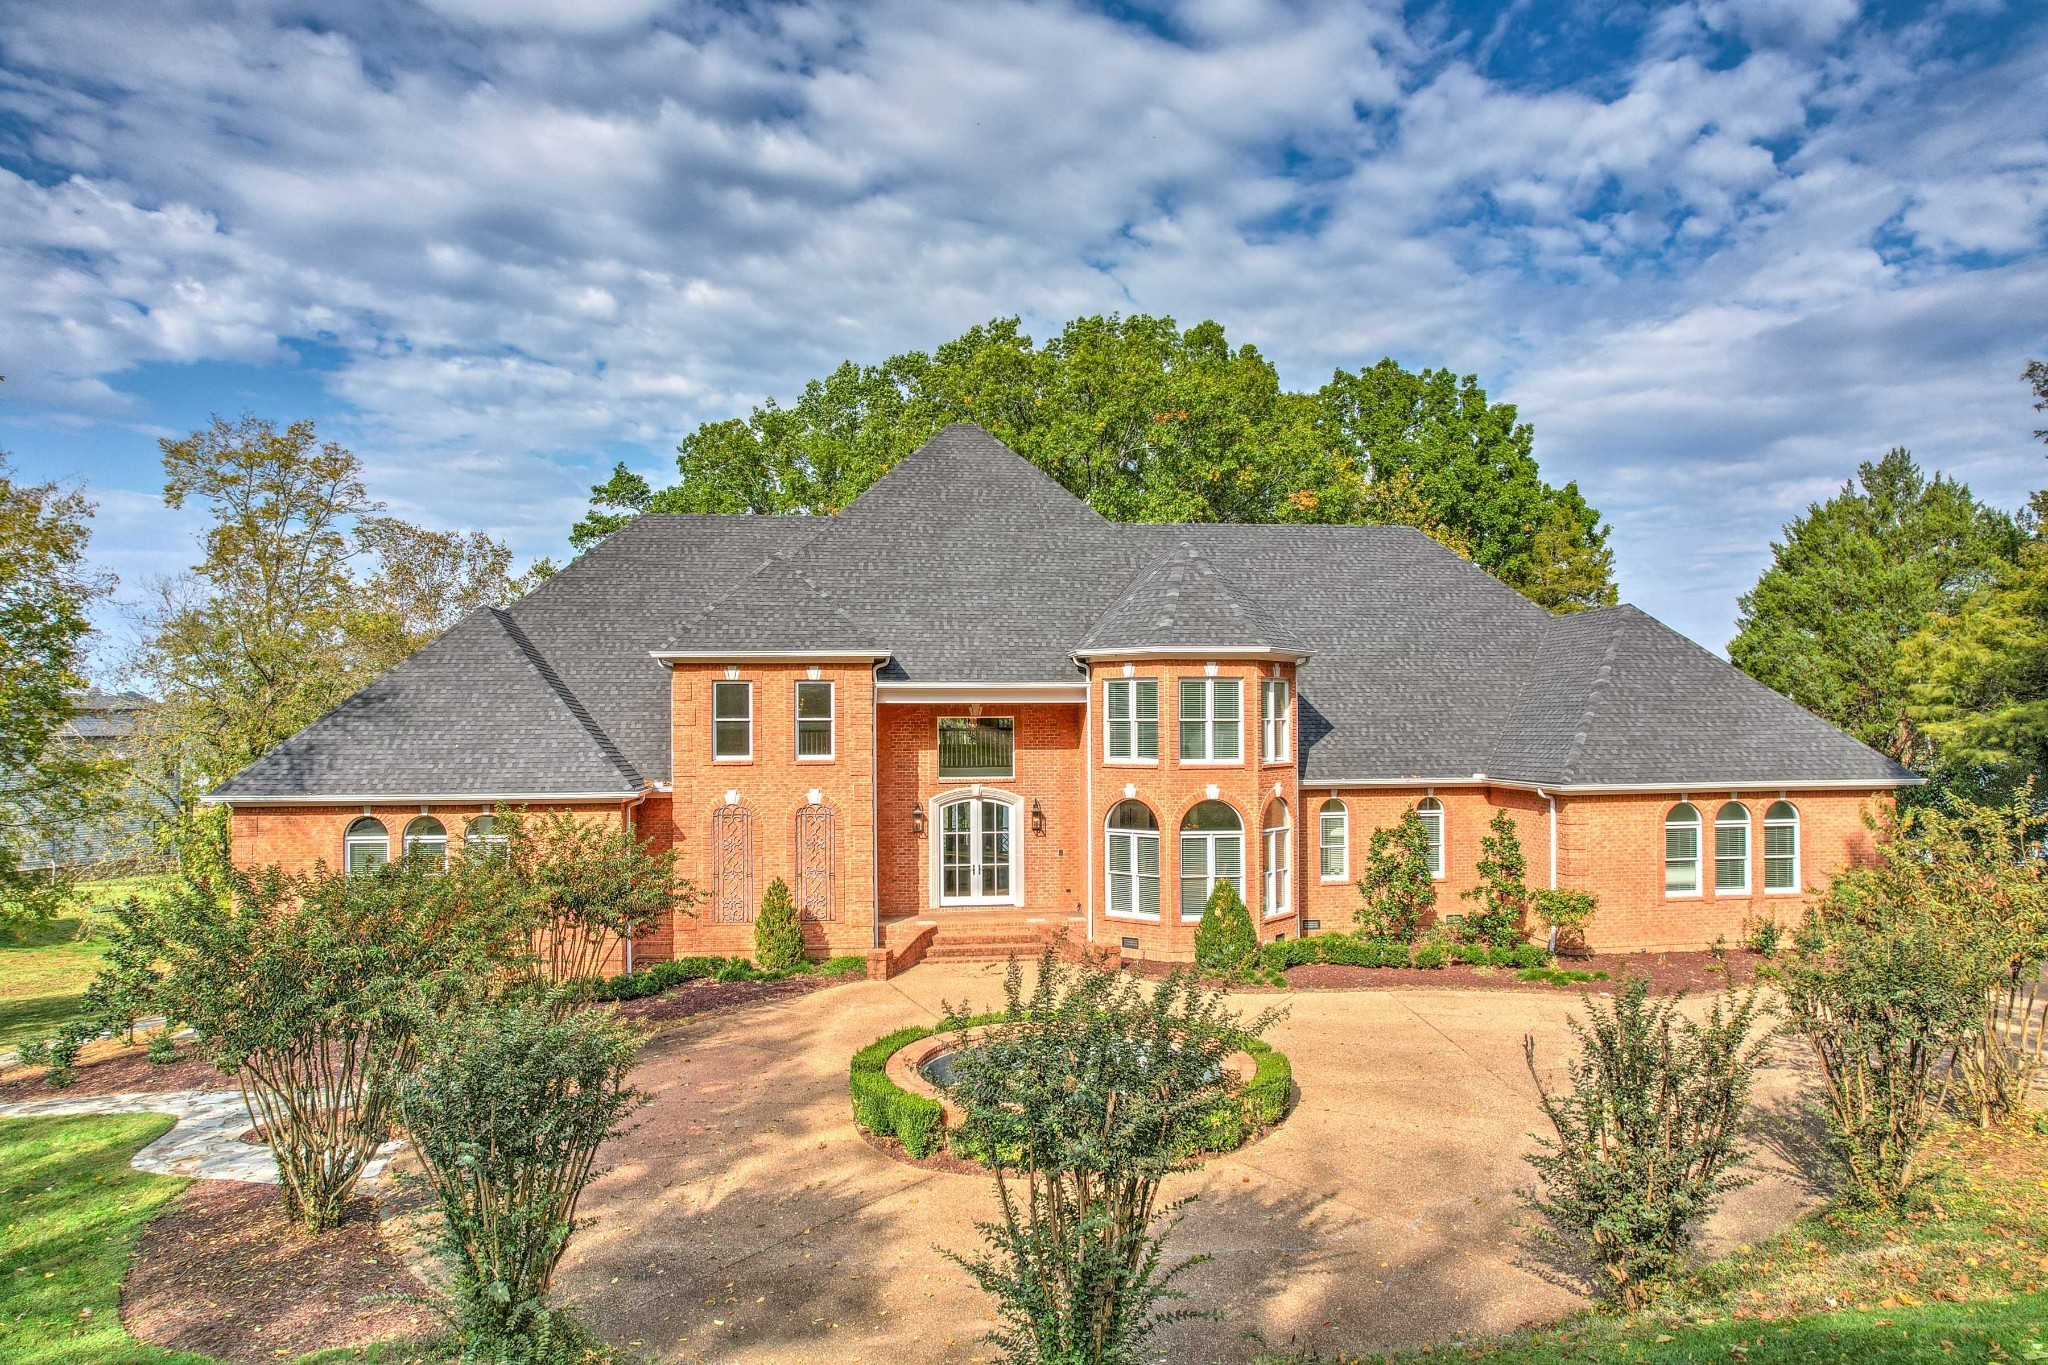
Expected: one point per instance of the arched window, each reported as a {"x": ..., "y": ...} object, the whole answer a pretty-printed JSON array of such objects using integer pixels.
[
  {"x": 1781, "y": 847},
  {"x": 1277, "y": 874},
  {"x": 482, "y": 839},
  {"x": 1682, "y": 850},
  {"x": 427, "y": 838},
  {"x": 978, "y": 851},
  {"x": 1432, "y": 812},
  {"x": 1334, "y": 841},
  {"x": 1211, "y": 851},
  {"x": 1731, "y": 850},
  {"x": 366, "y": 844},
  {"x": 1132, "y": 857}
]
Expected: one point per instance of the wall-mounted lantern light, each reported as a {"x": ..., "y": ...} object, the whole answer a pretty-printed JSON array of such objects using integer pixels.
[
  {"x": 916, "y": 820},
  {"x": 1037, "y": 818}
]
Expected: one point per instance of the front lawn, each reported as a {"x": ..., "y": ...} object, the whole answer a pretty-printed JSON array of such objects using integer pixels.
[{"x": 44, "y": 972}]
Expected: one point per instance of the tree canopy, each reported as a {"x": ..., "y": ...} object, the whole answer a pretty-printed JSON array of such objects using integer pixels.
[
  {"x": 1149, "y": 422},
  {"x": 1853, "y": 579}
]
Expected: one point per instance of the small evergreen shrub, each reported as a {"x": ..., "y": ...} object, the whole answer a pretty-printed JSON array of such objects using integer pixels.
[
  {"x": 163, "y": 1049},
  {"x": 1762, "y": 935},
  {"x": 1432, "y": 956},
  {"x": 1648, "y": 1135},
  {"x": 1565, "y": 914},
  {"x": 1502, "y": 892},
  {"x": 778, "y": 932},
  {"x": 1225, "y": 941},
  {"x": 886, "y": 1109},
  {"x": 62, "y": 1054},
  {"x": 1398, "y": 889}
]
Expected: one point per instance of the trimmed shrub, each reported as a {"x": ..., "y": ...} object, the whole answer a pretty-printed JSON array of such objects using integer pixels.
[
  {"x": 1565, "y": 914},
  {"x": 778, "y": 932},
  {"x": 885, "y": 1108},
  {"x": 1398, "y": 886},
  {"x": 1225, "y": 941},
  {"x": 1432, "y": 956}
]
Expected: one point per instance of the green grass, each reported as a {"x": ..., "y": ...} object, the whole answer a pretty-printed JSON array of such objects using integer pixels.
[
  {"x": 74, "y": 1207},
  {"x": 44, "y": 970},
  {"x": 1559, "y": 976}
]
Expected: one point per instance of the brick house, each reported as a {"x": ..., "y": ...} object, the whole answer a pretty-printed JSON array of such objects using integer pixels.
[{"x": 967, "y": 710}]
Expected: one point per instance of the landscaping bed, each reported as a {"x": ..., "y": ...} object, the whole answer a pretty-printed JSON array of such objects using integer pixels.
[
  {"x": 695, "y": 998},
  {"x": 113, "y": 1067},
  {"x": 1696, "y": 973}
]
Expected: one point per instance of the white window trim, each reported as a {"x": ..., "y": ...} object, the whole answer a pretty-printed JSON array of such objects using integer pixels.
[
  {"x": 1344, "y": 820},
  {"x": 411, "y": 844},
  {"x": 1279, "y": 724},
  {"x": 1109, "y": 759},
  {"x": 796, "y": 720},
  {"x": 1699, "y": 826},
  {"x": 350, "y": 841},
  {"x": 1108, "y": 877},
  {"x": 748, "y": 756},
  {"x": 935, "y": 837},
  {"x": 938, "y": 723},
  {"x": 1210, "y": 836},
  {"x": 1797, "y": 823},
  {"x": 1439, "y": 847},
  {"x": 1268, "y": 907},
  {"x": 1748, "y": 850},
  {"x": 1209, "y": 724}
]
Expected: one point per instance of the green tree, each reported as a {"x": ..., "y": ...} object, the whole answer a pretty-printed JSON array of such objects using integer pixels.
[
  {"x": 1852, "y": 580},
  {"x": 1149, "y": 422},
  {"x": 1503, "y": 889},
  {"x": 778, "y": 933},
  {"x": 1398, "y": 888},
  {"x": 2036, "y": 376},
  {"x": 46, "y": 590},
  {"x": 1225, "y": 940},
  {"x": 418, "y": 583}
]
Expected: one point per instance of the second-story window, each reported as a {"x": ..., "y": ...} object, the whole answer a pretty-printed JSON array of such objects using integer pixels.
[
  {"x": 1131, "y": 713},
  {"x": 983, "y": 747},
  {"x": 814, "y": 720},
  {"x": 1274, "y": 717},
  {"x": 732, "y": 720},
  {"x": 1211, "y": 720}
]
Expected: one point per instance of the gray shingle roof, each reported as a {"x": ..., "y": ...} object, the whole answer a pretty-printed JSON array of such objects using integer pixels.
[{"x": 968, "y": 565}]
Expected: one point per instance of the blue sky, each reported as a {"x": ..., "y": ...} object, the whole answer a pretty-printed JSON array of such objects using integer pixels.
[{"x": 1717, "y": 251}]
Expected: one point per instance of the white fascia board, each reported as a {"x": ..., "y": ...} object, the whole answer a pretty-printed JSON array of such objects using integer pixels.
[
  {"x": 670, "y": 656},
  {"x": 915, "y": 693},
  {"x": 1196, "y": 652},
  {"x": 426, "y": 799},
  {"x": 1618, "y": 788}
]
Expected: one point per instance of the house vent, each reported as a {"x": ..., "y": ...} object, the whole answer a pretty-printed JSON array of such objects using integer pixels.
[
  {"x": 1309, "y": 926},
  {"x": 1129, "y": 943}
]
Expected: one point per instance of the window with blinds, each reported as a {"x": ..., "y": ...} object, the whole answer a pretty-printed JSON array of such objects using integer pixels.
[
  {"x": 1731, "y": 849},
  {"x": 1211, "y": 720},
  {"x": 1335, "y": 841},
  {"x": 1781, "y": 847},
  {"x": 1682, "y": 851},
  {"x": 1131, "y": 718}
]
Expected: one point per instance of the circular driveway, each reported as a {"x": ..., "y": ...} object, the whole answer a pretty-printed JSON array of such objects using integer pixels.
[{"x": 745, "y": 1219}]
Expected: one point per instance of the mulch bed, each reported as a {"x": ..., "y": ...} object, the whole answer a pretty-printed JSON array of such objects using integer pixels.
[
  {"x": 222, "y": 1272},
  {"x": 1668, "y": 973},
  {"x": 694, "y": 998},
  {"x": 112, "y": 1069}
]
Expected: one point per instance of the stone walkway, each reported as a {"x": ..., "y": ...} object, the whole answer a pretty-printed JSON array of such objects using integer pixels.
[{"x": 205, "y": 1143}]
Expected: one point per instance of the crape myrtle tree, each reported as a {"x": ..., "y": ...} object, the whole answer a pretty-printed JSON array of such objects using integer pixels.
[
  {"x": 47, "y": 785},
  {"x": 507, "y": 1104},
  {"x": 1147, "y": 421},
  {"x": 299, "y": 986},
  {"x": 586, "y": 886},
  {"x": 1090, "y": 1092}
]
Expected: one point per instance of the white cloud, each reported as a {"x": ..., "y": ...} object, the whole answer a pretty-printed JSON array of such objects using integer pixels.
[{"x": 534, "y": 234}]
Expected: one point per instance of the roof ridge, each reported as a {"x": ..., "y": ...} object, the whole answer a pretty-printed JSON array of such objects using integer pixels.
[
  {"x": 1595, "y": 694},
  {"x": 568, "y": 699}
]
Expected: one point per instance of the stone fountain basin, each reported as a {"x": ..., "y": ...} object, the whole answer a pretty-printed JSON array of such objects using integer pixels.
[{"x": 906, "y": 1066}]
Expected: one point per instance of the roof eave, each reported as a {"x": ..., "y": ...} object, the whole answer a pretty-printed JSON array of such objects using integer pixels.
[
  {"x": 219, "y": 798},
  {"x": 672, "y": 656},
  {"x": 1195, "y": 652},
  {"x": 1619, "y": 788}
]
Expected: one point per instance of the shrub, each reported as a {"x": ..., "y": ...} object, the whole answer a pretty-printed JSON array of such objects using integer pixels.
[
  {"x": 61, "y": 1053},
  {"x": 294, "y": 983},
  {"x": 507, "y": 1107},
  {"x": 1565, "y": 915},
  {"x": 163, "y": 1049},
  {"x": 886, "y": 1109},
  {"x": 1225, "y": 941},
  {"x": 1647, "y": 1137},
  {"x": 1339, "y": 949},
  {"x": 1502, "y": 892},
  {"x": 582, "y": 886},
  {"x": 1762, "y": 935},
  {"x": 778, "y": 933},
  {"x": 1398, "y": 889},
  {"x": 1432, "y": 956},
  {"x": 1097, "y": 1090}
]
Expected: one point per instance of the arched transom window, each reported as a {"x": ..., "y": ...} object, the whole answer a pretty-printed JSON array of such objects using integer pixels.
[
  {"x": 366, "y": 844},
  {"x": 482, "y": 839},
  {"x": 1211, "y": 851},
  {"x": 1277, "y": 873},
  {"x": 1432, "y": 812},
  {"x": 1682, "y": 850},
  {"x": 1781, "y": 847},
  {"x": 1132, "y": 858},
  {"x": 427, "y": 839}
]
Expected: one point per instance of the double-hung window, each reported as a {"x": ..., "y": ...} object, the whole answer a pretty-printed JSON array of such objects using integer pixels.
[
  {"x": 1682, "y": 850},
  {"x": 1731, "y": 850},
  {"x": 1781, "y": 848},
  {"x": 1131, "y": 719},
  {"x": 1275, "y": 716},
  {"x": 1133, "y": 861},
  {"x": 1211, "y": 851},
  {"x": 1211, "y": 720},
  {"x": 1334, "y": 835},
  {"x": 814, "y": 720},
  {"x": 732, "y": 720}
]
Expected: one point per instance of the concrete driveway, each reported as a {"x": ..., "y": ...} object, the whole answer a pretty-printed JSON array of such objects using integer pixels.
[{"x": 745, "y": 1219}]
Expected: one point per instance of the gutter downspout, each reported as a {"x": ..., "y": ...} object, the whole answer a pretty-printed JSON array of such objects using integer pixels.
[{"x": 1552, "y": 948}]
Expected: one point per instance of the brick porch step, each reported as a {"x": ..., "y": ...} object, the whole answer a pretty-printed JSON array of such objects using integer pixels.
[{"x": 971, "y": 937}]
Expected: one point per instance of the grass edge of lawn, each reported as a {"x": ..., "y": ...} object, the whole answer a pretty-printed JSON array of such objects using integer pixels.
[{"x": 76, "y": 1209}]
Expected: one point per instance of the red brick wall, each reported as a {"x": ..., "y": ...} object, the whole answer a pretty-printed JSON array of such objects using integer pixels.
[
  {"x": 772, "y": 787},
  {"x": 1050, "y": 768},
  {"x": 1172, "y": 788}
]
